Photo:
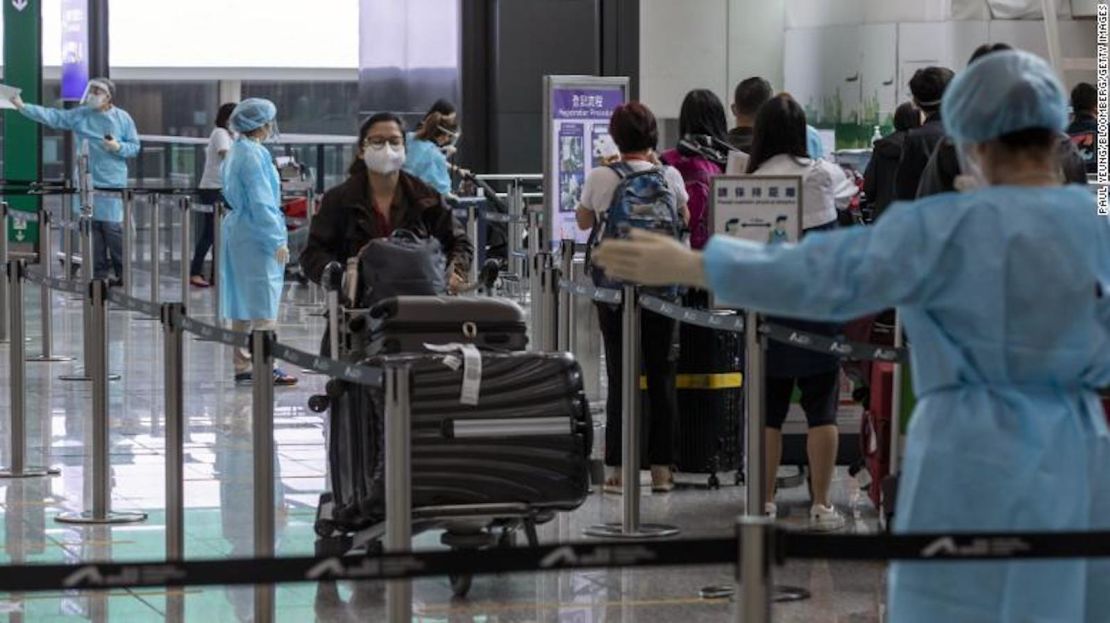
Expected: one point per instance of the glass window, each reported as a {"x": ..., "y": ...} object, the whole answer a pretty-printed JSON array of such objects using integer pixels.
[{"x": 311, "y": 107}]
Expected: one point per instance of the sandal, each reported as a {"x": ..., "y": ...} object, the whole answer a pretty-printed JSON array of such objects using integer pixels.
[
  {"x": 198, "y": 281},
  {"x": 282, "y": 379},
  {"x": 662, "y": 479},
  {"x": 613, "y": 481}
]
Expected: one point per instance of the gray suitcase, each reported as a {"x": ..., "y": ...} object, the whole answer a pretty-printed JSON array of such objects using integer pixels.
[{"x": 406, "y": 323}]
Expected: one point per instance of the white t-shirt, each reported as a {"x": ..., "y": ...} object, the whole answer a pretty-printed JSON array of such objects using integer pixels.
[
  {"x": 220, "y": 140},
  {"x": 602, "y": 182},
  {"x": 825, "y": 186}
]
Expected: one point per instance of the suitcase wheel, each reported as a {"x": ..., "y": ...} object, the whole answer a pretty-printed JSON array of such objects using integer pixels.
[
  {"x": 740, "y": 477},
  {"x": 714, "y": 482},
  {"x": 319, "y": 403},
  {"x": 460, "y": 584}
]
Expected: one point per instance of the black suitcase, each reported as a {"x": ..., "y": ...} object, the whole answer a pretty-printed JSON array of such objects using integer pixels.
[
  {"x": 527, "y": 442},
  {"x": 709, "y": 433},
  {"x": 406, "y": 323}
]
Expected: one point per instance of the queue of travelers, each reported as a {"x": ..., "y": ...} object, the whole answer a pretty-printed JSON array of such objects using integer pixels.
[{"x": 978, "y": 183}]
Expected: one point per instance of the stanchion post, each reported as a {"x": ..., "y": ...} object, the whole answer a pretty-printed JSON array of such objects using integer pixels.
[
  {"x": 5, "y": 291},
  {"x": 630, "y": 526},
  {"x": 46, "y": 307},
  {"x": 101, "y": 512},
  {"x": 186, "y": 212},
  {"x": 896, "y": 401},
  {"x": 217, "y": 238},
  {"x": 333, "y": 282},
  {"x": 262, "y": 426},
  {"x": 564, "y": 303},
  {"x": 474, "y": 235},
  {"x": 398, "y": 482},
  {"x": 754, "y": 567},
  {"x": 128, "y": 232},
  {"x": 173, "y": 382},
  {"x": 17, "y": 467},
  {"x": 85, "y": 235},
  {"x": 537, "y": 267},
  {"x": 155, "y": 245},
  {"x": 310, "y": 215},
  {"x": 755, "y": 357}
]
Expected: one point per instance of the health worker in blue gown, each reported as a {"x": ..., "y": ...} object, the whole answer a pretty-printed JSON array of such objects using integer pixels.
[
  {"x": 1005, "y": 296},
  {"x": 255, "y": 245},
  {"x": 110, "y": 135}
]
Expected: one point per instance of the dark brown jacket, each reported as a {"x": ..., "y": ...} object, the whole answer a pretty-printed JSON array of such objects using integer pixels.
[{"x": 347, "y": 221}]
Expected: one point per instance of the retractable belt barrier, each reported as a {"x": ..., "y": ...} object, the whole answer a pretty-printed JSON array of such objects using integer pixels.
[
  {"x": 784, "y": 545},
  {"x": 352, "y": 373},
  {"x": 33, "y": 275},
  {"x": 735, "y": 323}
]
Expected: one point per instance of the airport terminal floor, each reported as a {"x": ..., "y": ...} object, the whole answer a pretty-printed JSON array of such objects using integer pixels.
[{"x": 218, "y": 519}]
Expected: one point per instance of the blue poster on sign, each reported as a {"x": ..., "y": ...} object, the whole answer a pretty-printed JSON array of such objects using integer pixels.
[
  {"x": 579, "y": 141},
  {"x": 75, "y": 45}
]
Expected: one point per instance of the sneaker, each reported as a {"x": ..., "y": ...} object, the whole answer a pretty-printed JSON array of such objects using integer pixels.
[
  {"x": 825, "y": 518},
  {"x": 771, "y": 510},
  {"x": 198, "y": 281},
  {"x": 115, "y": 282},
  {"x": 243, "y": 378}
]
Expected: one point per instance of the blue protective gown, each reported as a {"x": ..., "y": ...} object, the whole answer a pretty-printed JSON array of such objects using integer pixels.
[
  {"x": 251, "y": 278},
  {"x": 425, "y": 160},
  {"x": 109, "y": 170},
  {"x": 814, "y": 145},
  {"x": 997, "y": 291}
]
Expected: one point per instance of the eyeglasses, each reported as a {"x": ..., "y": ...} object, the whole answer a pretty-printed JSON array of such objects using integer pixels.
[{"x": 378, "y": 142}]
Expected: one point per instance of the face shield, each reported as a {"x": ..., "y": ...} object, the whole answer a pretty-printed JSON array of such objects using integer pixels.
[{"x": 96, "y": 94}]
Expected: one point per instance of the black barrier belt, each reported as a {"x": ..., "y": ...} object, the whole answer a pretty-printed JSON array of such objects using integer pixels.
[
  {"x": 833, "y": 346},
  {"x": 216, "y": 334},
  {"x": 703, "y": 318},
  {"x": 37, "y": 191},
  {"x": 28, "y": 578},
  {"x": 131, "y": 303},
  {"x": 697, "y": 317},
  {"x": 594, "y": 293},
  {"x": 785, "y": 545},
  {"x": 54, "y": 283},
  {"x": 337, "y": 369},
  {"x": 926, "y": 547}
]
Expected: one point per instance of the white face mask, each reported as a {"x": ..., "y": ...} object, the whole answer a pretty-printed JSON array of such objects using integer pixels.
[{"x": 384, "y": 160}]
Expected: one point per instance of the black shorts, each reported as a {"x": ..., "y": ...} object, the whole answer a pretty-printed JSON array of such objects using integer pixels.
[{"x": 820, "y": 398}]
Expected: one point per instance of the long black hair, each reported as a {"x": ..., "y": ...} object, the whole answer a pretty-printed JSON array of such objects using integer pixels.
[
  {"x": 358, "y": 167},
  {"x": 780, "y": 128},
  {"x": 223, "y": 116},
  {"x": 703, "y": 113}
]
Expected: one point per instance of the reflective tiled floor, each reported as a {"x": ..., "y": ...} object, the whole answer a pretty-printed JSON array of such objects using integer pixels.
[{"x": 218, "y": 499}]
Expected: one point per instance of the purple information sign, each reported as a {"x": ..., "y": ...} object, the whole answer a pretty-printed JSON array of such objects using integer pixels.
[
  {"x": 579, "y": 126},
  {"x": 75, "y": 44}
]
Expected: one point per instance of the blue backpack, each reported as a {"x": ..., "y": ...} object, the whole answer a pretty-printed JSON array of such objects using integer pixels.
[{"x": 642, "y": 200}]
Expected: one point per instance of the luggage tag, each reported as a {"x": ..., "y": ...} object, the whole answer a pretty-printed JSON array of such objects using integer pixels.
[{"x": 472, "y": 368}]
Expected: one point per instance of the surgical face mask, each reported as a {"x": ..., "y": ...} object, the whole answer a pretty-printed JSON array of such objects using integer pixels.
[
  {"x": 384, "y": 159},
  {"x": 971, "y": 175}
]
